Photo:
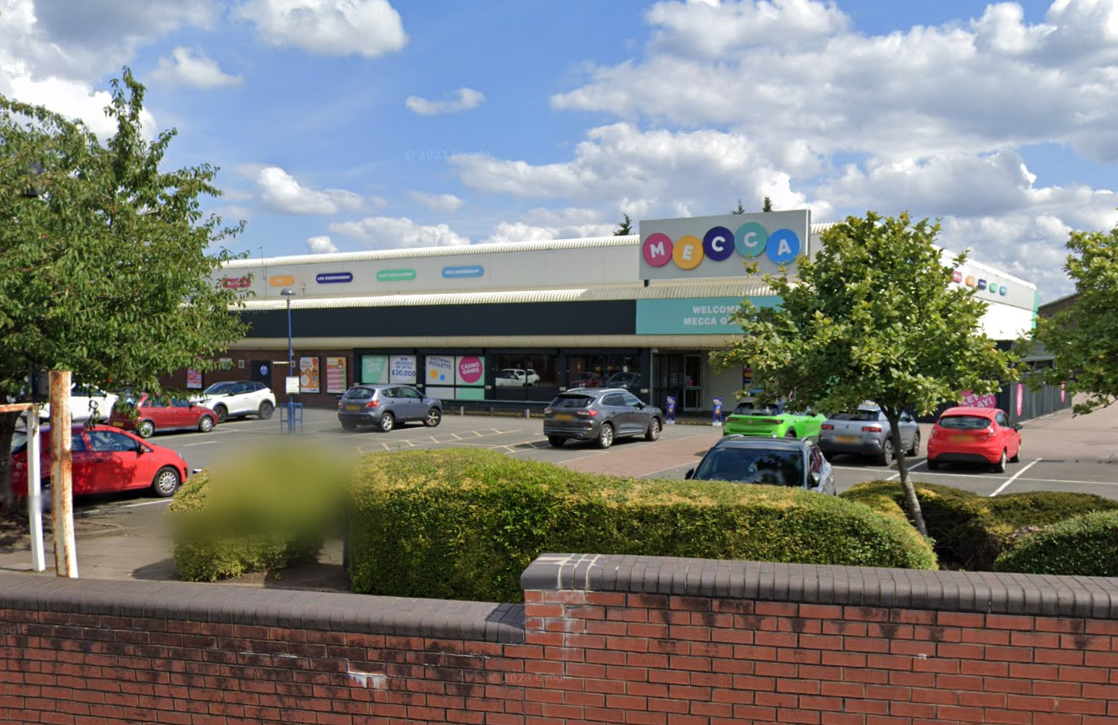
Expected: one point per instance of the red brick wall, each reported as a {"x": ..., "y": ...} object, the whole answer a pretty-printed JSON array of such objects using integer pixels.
[{"x": 641, "y": 640}]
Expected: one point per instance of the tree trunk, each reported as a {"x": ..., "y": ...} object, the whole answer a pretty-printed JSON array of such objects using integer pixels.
[
  {"x": 912, "y": 503},
  {"x": 7, "y": 432}
]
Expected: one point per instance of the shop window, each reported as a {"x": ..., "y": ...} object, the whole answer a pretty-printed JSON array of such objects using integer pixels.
[{"x": 525, "y": 376}]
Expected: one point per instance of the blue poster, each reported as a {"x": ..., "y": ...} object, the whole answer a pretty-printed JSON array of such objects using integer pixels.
[
  {"x": 717, "y": 411},
  {"x": 671, "y": 410}
]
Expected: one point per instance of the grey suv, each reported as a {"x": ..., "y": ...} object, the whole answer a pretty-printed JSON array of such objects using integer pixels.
[
  {"x": 600, "y": 415},
  {"x": 386, "y": 405}
]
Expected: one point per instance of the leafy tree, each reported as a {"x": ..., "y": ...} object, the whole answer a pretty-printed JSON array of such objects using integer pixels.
[
  {"x": 625, "y": 228},
  {"x": 872, "y": 317},
  {"x": 740, "y": 209},
  {"x": 768, "y": 204},
  {"x": 105, "y": 259},
  {"x": 1084, "y": 338}
]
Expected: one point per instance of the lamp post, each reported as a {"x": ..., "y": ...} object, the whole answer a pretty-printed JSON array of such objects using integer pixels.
[{"x": 288, "y": 293}]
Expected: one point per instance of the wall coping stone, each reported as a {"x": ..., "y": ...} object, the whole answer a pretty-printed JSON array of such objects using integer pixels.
[
  {"x": 233, "y": 604},
  {"x": 954, "y": 591}
]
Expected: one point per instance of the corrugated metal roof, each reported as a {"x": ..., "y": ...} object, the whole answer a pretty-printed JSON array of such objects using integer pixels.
[
  {"x": 536, "y": 246},
  {"x": 742, "y": 288},
  {"x": 467, "y": 342}
]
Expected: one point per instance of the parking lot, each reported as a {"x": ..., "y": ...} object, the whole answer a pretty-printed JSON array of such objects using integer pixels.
[{"x": 1059, "y": 453}]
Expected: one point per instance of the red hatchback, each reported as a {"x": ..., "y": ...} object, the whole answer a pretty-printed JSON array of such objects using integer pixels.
[
  {"x": 974, "y": 435},
  {"x": 160, "y": 415},
  {"x": 106, "y": 460}
]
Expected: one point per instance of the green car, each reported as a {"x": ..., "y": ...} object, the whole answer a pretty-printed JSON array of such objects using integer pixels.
[{"x": 771, "y": 421}]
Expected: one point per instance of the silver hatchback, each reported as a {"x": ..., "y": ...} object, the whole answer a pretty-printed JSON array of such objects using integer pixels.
[
  {"x": 865, "y": 432},
  {"x": 600, "y": 415}
]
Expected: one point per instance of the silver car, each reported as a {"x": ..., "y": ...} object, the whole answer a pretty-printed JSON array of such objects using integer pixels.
[
  {"x": 865, "y": 432},
  {"x": 600, "y": 415},
  {"x": 385, "y": 406}
]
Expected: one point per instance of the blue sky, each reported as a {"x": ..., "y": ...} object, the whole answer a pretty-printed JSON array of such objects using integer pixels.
[{"x": 343, "y": 125}]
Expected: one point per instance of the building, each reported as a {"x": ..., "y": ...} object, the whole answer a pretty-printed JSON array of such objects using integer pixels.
[{"x": 522, "y": 322}]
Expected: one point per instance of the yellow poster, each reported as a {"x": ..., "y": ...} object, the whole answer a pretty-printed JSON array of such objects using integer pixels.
[
  {"x": 308, "y": 374},
  {"x": 335, "y": 375}
]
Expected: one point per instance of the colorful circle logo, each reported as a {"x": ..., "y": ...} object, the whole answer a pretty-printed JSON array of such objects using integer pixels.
[
  {"x": 469, "y": 370},
  {"x": 657, "y": 249},
  {"x": 718, "y": 244},
  {"x": 751, "y": 240},
  {"x": 688, "y": 252}
]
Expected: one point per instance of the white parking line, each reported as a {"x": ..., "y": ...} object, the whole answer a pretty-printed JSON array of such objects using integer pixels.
[
  {"x": 145, "y": 503},
  {"x": 203, "y": 443},
  {"x": 1014, "y": 478},
  {"x": 911, "y": 468},
  {"x": 1056, "y": 480}
]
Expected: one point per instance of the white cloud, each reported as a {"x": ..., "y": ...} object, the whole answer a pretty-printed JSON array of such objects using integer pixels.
[
  {"x": 395, "y": 232},
  {"x": 328, "y": 27},
  {"x": 320, "y": 245},
  {"x": 542, "y": 224},
  {"x": 440, "y": 203},
  {"x": 465, "y": 99},
  {"x": 200, "y": 71},
  {"x": 279, "y": 191}
]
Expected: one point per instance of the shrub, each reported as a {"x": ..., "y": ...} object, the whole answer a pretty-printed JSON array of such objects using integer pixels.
[
  {"x": 262, "y": 512},
  {"x": 464, "y": 523},
  {"x": 970, "y": 531},
  {"x": 1081, "y": 546}
]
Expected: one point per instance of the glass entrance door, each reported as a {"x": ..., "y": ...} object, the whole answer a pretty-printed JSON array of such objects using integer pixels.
[{"x": 692, "y": 382}]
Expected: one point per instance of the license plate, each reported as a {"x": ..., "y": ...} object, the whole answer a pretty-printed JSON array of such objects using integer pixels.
[
  {"x": 960, "y": 439},
  {"x": 564, "y": 416},
  {"x": 353, "y": 407},
  {"x": 847, "y": 439},
  {"x": 116, "y": 423}
]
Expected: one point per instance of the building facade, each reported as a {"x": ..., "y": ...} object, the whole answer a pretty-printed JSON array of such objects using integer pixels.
[{"x": 520, "y": 323}]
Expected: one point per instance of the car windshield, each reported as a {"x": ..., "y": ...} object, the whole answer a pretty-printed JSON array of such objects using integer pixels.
[
  {"x": 623, "y": 378},
  {"x": 751, "y": 408},
  {"x": 964, "y": 422},
  {"x": 359, "y": 393},
  {"x": 752, "y": 465},
  {"x": 219, "y": 388},
  {"x": 572, "y": 401},
  {"x": 861, "y": 415}
]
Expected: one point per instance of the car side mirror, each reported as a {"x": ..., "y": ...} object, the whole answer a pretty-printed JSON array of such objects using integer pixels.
[
  {"x": 1017, "y": 426},
  {"x": 141, "y": 449},
  {"x": 689, "y": 474}
]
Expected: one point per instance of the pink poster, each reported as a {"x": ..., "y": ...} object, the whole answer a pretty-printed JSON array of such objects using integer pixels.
[
  {"x": 970, "y": 400},
  {"x": 1020, "y": 398},
  {"x": 470, "y": 370},
  {"x": 1063, "y": 394}
]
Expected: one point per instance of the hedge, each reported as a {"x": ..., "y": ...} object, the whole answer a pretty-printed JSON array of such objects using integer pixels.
[
  {"x": 970, "y": 531},
  {"x": 464, "y": 523},
  {"x": 265, "y": 511},
  {"x": 1082, "y": 546}
]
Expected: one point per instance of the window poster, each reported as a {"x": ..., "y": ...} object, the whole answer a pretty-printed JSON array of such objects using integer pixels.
[
  {"x": 335, "y": 374},
  {"x": 402, "y": 369},
  {"x": 308, "y": 374},
  {"x": 194, "y": 379}
]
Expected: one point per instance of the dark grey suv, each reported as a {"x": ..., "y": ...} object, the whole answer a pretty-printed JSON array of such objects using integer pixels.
[
  {"x": 386, "y": 405},
  {"x": 600, "y": 415}
]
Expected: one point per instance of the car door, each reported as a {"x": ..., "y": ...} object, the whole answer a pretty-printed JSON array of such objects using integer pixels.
[
  {"x": 119, "y": 464},
  {"x": 617, "y": 413},
  {"x": 638, "y": 417},
  {"x": 240, "y": 399},
  {"x": 909, "y": 426},
  {"x": 160, "y": 413},
  {"x": 392, "y": 402},
  {"x": 416, "y": 406},
  {"x": 1011, "y": 439},
  {"x": 84, "y": 478}
]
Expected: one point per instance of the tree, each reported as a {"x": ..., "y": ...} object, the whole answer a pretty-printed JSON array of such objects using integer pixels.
[
  {"x": 1083, "y": 339},
  {"x": 105, "y": 259},
  {"x": 768, "y": 204},
  {"x": 740, "y": 209},
  {"x": 625, "y": 228},
  {"x": 872, "y": 317}
]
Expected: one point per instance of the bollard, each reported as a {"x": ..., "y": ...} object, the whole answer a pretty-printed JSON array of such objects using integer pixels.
[
  {"x": 528, "y": 413},
  {"x": 461, "y": 410}
]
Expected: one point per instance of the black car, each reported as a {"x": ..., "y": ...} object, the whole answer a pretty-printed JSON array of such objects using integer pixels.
[
  {"x": 386, "y": 405},
  {"x": 767, "y": 461},
  {"x": 600, "y": 415}
]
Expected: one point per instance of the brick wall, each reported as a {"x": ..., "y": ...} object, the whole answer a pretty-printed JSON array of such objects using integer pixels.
[{"x": 599, "y": 639}]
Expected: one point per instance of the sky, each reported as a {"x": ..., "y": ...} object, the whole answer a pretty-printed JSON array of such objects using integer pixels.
[{"x": 350, "y": 125}]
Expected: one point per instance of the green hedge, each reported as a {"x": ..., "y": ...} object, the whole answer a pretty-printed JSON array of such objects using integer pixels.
[
  {"x": 464, "y": 523},
  {"x": 265, "y": 511},
  {"x": 971, "y": 531},
  {"x": 1082, "y": 546}
]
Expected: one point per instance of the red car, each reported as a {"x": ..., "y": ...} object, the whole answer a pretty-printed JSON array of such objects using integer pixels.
[
  {"x": 106, "y": 460},
  {"x": 161, "y": 415},
  {"x": 974, "y": 435}
]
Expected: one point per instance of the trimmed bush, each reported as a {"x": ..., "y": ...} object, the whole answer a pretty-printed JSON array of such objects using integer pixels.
[
  {"x": 970, "y": 531},
  {"x": 1082, "y": 546},
  {"x": 464, "y": 523},
  {"x": 265, "y": 511}
]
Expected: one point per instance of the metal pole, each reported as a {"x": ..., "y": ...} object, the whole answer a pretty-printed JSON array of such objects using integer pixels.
[
  {"x": 290, "y": 371},
  {"x": 34, "y": 490},
  {"x": 61, "y": 475}
]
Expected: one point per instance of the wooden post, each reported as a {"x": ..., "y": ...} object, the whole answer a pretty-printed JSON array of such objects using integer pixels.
[{"x": 61, "y": 475}]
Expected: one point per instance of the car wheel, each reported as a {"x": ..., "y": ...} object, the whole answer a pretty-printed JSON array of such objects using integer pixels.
[
  {"x": 349, "y": 425},
  {"x": 653, "y": 432},
  {"x": 791, "y": 433},
  {"x": 886, "y": 456},
  {"x": 145, "y": 429},
  {"x": 1016, "y": 456},
  {"x": 222, "y": 413},
  {"x": 434, "y": 417},
  {"x": 933, "y": 465},
  {"x": 999, "y": 467},
  {"x": 206, "y": 424},
  {"x": 166, "y": 482},
  {"x": 387, "y": 422},
  {"x": 556, "y": 441},
  {"x": 605, "y": 436},
  {"x": 266, "y": 410},
  {"x": 915, "y": 450}
]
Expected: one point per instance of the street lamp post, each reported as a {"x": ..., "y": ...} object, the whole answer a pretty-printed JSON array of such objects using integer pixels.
[{"x": 289, "y": 293}]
